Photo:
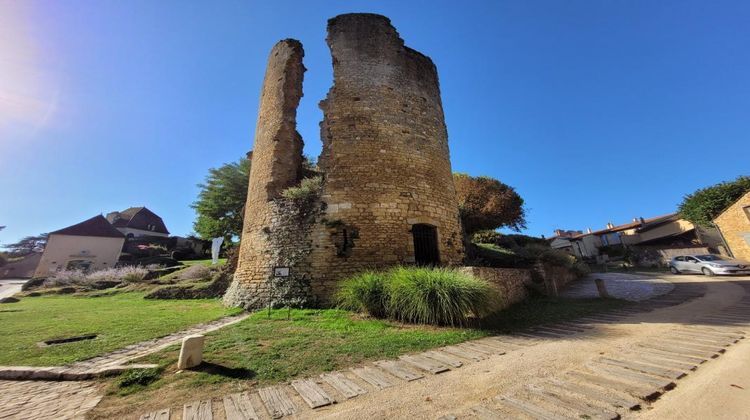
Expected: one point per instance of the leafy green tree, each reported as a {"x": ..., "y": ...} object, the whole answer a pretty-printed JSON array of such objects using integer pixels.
[
  {"x": 487, "y": 204},
  {"x": 702, "y": 206},
  {"x": 221, "y": 201},
  {"x": 27, "y": 245}
]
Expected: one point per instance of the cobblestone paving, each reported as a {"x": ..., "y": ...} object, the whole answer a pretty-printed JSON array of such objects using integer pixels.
[
  {"x": 622, "y": 286},
  {"x": 47, "y": 400}
]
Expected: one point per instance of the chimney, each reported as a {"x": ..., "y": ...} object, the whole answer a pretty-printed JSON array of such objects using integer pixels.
[
  {"x": 642, "y": 221},
  {"x": 588, "y": 230},
  {"x": 610, "y": 225},
  {"x": 558, "y": 232},
  {"x": 636, "y": 220}
]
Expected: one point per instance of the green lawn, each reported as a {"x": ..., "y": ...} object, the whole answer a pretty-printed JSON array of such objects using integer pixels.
[
  {"x": 266, "y": 350},
  {"x": 119, "y": 319}
]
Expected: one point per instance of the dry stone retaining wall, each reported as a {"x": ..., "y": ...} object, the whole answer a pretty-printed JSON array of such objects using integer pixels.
[{"x": 510, "y": 283}]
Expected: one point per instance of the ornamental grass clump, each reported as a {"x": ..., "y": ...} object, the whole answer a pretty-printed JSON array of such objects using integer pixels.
[
  {"x": 364, "y": 292},
  {"x": 438, "y": 296}
]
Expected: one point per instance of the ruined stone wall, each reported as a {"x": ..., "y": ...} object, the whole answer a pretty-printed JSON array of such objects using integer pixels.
[
  {"x": 385, "y": 155},
  {"x": 385, "y": 166},
  {"x": 276, "y": 165}
]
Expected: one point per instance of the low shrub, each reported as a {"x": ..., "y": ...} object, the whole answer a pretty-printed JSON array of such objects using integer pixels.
[
  {"x": 419, "y": 295},
  {"x": 557, "y": 258},
  {"x": 489, "y": 255},
  {"x": 127, "y": 274},
  {"x": 194, "y": 272},
  {"x": 581, "y": 269},
  {"x": 66, "y": 278},
  {"x": 510, "y": 241},
  {"x": 364, "y": 293}
]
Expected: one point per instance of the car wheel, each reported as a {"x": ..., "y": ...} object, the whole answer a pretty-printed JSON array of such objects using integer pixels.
[
  {"x": 674, "y": 270},
  {"x": 707, "y": 272}
]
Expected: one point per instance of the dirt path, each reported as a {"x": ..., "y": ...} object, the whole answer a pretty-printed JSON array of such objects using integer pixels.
[
  {"x": 609, "y": 363},
  {"x": 721, "y": 391},
  {"x": 9, "y": 287},
  {"x": 458, "y": 392}
]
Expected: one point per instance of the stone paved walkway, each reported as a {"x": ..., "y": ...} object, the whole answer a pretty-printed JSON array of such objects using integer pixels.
[
  {"x": 42, "y": 400},
  {"x": 138, "y": 350},
  {"x": 630, "y": 287}
]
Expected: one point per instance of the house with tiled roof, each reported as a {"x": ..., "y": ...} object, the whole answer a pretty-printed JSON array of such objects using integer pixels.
[
  {"x": 137, "y": 222},
  {"x": 93, "y": 244},
  {"x": 661, "y": 233}
]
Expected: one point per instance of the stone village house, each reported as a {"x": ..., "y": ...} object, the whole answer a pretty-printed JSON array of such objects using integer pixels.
[
  {"x": 734, "y": 225},
  {"x": 93, "y": 244},
  {"x": 654, "y": 240},
  {"x": 136, "y": 222}
]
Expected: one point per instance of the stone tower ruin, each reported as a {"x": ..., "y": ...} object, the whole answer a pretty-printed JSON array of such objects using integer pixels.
[{"x": 385, "y": 195}]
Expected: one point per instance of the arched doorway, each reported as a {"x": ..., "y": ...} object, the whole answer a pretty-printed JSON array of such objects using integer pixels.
[{"x": 426, "y": 250}]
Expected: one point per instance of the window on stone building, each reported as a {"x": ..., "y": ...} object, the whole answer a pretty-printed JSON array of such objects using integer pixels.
[
  {"x": 426, "y": 250},
  {"x": 747, "y": 212}
]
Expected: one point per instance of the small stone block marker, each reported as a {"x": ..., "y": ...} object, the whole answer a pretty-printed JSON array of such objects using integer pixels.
[
  {"x": 601, "y": 288},
  {"x": 191, "y": 353}
]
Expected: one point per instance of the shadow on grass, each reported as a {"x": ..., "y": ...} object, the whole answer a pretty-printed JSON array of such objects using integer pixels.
[{"x": 225, "y": 371}]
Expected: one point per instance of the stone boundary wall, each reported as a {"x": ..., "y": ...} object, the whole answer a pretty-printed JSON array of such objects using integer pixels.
[
  {"x": 649, "y": 256},
  {"x": 550, "y": 279},
  {"x": 509, "y": 282}
]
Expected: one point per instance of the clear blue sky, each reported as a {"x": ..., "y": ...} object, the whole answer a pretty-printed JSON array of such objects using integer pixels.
[{"x": 595, "y": 111}]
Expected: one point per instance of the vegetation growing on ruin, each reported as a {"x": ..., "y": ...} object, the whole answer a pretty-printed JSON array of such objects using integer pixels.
[
  {"x": 306, "y": 191},
  {"x": 438, "y": 296}
]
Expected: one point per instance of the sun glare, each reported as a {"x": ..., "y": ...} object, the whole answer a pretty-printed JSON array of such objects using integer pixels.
[{"x": 28, "y": 93}]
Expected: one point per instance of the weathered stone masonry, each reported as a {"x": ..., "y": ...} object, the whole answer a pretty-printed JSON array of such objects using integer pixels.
[{"x": 385, "y": 165}]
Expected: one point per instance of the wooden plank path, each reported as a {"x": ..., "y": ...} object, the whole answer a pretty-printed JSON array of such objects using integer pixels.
[
  {"x": 342, "y": 384},
  {"x": 197, "y": 410},
  {"x": 374, "y": 377},
  {"x": 606, "y": 388},
  {"x": 425, "y": 363},
  {"x": 572, "y": 404},
  {"x": 157, "y": 415},
  {"x": 313, "y": 395},
  {"x": 443, "y": 357},
  {"x": 239, "y": 407},
  {"x": 399, "y": 370},
  {"x": 277, "y": 402}
]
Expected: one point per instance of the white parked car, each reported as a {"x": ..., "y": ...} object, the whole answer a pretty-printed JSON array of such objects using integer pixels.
[{"x": 708, "y": 264}]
